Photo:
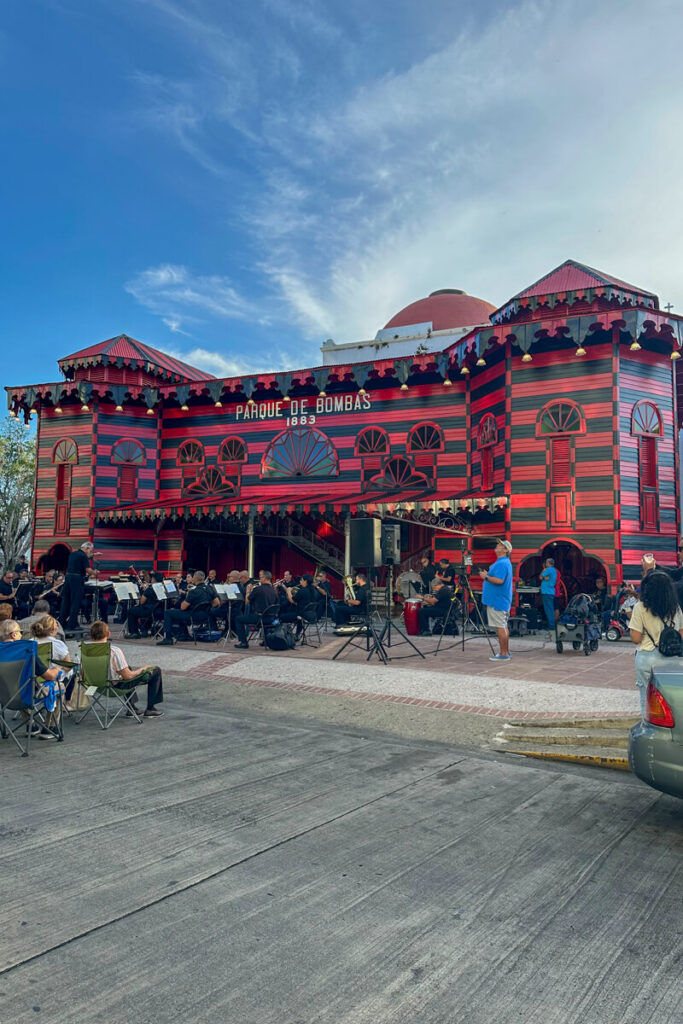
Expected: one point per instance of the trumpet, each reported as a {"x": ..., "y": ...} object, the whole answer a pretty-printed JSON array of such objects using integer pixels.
[{"x": 349, "y": 592}]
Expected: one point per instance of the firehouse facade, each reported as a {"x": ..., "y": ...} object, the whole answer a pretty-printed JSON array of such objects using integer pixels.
[{"x": 551, "y": 421}]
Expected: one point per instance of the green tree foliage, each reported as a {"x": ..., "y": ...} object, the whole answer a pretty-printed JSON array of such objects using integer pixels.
[{"x": 17, "y": 485}]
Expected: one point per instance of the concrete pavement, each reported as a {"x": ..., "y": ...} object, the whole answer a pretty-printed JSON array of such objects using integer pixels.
[{"x": 221, "y": 866}]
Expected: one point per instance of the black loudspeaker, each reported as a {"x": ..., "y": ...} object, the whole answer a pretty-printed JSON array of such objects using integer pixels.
[
  {"x": 366, "y": 543},
  {"x": 391, "y": 544}
]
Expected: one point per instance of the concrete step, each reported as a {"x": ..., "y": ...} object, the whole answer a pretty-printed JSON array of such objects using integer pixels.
[
  {"x": 599, "y": 742},
  {"x": 563, "y": 735},
  {"x": 597, "y": 757},
  {"x": 613, "y": 722}
]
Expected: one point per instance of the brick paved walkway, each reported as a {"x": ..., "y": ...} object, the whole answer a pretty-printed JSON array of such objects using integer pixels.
[{"x": 536, "y": 683}]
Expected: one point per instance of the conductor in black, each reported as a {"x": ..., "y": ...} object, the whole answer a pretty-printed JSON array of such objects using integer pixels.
[{"x": 77, "y": 571}]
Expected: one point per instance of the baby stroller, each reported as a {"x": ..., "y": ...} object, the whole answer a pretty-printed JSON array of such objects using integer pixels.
[{"x": 580, "y": 625}]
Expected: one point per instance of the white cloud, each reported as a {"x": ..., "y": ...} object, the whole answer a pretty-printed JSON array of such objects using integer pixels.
[
  {"x": 220, "y": 365},
  {"x": 170, "y": 291},
  {"x": 547, "y": 132}
]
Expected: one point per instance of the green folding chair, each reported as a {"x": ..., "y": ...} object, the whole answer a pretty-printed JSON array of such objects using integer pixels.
[{"x": 101, "y": 688}]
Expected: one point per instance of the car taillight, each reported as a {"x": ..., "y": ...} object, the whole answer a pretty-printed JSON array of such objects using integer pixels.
[{"x": 657, "y": 709}]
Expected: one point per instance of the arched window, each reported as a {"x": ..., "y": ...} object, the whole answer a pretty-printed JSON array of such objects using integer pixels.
[
  {"x": 646, "y": 419},
  {"x": 232, "y": 449},
  {"x": 559, "y": 422},
  {"x": 300, "y": 451},
  {"x": 65, "y": 457},
  {"x": 65, "y": 451},
  {"x": 128, "y": 455},
  {"x": 372, "y": 441},
  {"x": 190, "y": 458},
  {"x": 646, "y": 425},
  {"x": 399, "y": 474},
  {"x": 425, "y": 437},
  {"x": 191, "y": 453},
  {"x": 486, "y": 440},
  {"x": 127, "y": 451},
  {"x": 211, "y": 484}
]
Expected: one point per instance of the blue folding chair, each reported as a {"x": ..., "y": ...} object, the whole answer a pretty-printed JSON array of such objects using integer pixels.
[{"x": 17, "y": 691}]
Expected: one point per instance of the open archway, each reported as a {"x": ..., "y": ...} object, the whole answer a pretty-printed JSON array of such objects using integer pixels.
[{"x": 578, "y": 569}]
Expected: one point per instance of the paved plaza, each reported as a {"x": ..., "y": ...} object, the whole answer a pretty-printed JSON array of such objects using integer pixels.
[
  {"x": 536, "y": 683},
  {"x": 227, "y": 866}
]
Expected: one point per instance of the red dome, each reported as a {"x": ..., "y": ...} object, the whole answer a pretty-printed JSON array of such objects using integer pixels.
[{"x": 444, "y": 309}]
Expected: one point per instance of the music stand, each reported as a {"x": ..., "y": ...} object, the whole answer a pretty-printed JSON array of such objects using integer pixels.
[{"x": 229, "y": 592}]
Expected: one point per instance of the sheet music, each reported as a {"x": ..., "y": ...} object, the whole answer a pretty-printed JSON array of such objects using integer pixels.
[
  {"x": 159, "y": 591},
  {"x": 170, "y": 588},
  {"x": 126, "y": 592}
]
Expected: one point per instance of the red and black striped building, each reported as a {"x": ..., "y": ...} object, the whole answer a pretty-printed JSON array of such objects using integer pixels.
[{"x": 554, "y": 424}]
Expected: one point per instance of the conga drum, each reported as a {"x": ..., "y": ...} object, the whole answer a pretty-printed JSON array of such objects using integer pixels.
[{"x": 411, "y": 615}]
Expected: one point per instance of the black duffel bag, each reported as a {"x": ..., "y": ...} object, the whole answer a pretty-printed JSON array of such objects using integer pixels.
[{"x": 279, "y": 638}]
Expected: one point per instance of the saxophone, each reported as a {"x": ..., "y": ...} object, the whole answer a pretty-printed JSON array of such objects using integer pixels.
[{"x": 349, "y": 592}]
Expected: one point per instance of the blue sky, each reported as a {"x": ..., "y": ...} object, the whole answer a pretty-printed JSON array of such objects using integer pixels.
[{"x": 236, "y": 182}]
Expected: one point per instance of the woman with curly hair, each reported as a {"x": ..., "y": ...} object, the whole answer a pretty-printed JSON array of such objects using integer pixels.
[{"x": 658, "y": 607}]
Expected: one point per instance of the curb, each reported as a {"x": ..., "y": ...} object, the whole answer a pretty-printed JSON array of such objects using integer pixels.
[{"x": 595, "y": 760}]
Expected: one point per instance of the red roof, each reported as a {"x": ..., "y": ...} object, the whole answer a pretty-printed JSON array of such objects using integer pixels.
[
  {"x": 443, "y": 310},
  {"x": 131, "y": 351},
  {"x": 572, "y": 277}
]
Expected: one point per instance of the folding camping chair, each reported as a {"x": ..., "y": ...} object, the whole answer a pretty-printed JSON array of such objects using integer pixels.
[
  {"x": 95, "y": 677},
  {"x": 17, "y": 692}
]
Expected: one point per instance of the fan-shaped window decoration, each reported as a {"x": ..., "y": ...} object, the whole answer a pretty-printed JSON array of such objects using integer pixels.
[
  {"x": 300, "y": 451},
  {"x": 488, "y": 431},
  {"x": 211, "y": 484},
  {"x": 372, "y": 441},
  {"x": 191, "y": 453},
  {"x": 129, "y": 452},
  {"x": 233, "y": 449},
  {"x": 425, "y": 437},
  {"x": 65, "y": 451},
  {"x": 646, "y": 419},
  {"x": 561, "y": 418},
  {"x": 398, "y": 474}
]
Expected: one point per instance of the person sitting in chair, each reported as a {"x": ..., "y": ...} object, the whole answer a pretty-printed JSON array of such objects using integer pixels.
[
  {"x": 49, "y": 684},
  {"x": 126, "y": 678},
  {"x": 437, "y": 606},
  {"x": 358, "y": 607},
  {"x": 261, "y": 600},
  {"x": 201, "y": 594}
]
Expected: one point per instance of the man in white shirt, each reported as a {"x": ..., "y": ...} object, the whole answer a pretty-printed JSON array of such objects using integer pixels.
[{"x": 148, "y": 675}]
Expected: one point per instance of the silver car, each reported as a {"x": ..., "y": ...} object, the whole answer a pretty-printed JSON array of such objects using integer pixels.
[{"x": 655, "y": 751}]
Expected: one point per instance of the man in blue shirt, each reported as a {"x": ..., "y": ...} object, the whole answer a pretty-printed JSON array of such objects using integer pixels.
[
  {"x": 548, "y": 584},
  {"x": 497, "y": 596}
]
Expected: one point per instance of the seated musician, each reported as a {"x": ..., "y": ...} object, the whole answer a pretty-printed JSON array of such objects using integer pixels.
[
  {"x": 261, "y": 599},
  {"x": 212, "y": 577},
  {"x": 141, "y": 616},
  {"x": 358, "y": 607},
  {"x": 225, "y": 611},
  {"x": 8, "y": 588},
  {"x": 446, "y": 572},
  {"x": 40, "y": 610},
  {"x": 201, "y": 594},
  {"x": 302, "y": 603},
  {"x": 51, "y": 590},
  {"x": 323, "y": 590},
  {"x": 436, "y": 606},
  {"x": 21, "y": 566},
  {"x": 427, "y": 573},
  {"x": 282, "y": 586}
]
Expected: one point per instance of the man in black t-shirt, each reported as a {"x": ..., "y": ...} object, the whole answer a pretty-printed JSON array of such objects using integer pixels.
[
  {"x": 447, "y": 572},
  {"x": 436, "y": 606},
  {"x": 141, "y": 616},
  {"x": 323, "y": 589},
  {"x": 301, "y": 605},
  {"x": 7, "y": 588},
  {"x": 427, "y": 572},
  {"x": 261, "y": 602},
  {"x": 358, "y": 607},
  {"x": 77, "y": 570},
  {"x": 195, "y": 606}
]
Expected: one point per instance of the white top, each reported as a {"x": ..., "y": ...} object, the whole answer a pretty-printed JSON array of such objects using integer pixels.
[
  {"x": 117, "y": 661},
  {"x": 642, "y": 619},
  {"x": 59, "y": 650}
]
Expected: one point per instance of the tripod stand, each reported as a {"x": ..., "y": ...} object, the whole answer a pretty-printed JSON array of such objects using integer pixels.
[
  {"x": 466, "y": 619},
  {"x": 377, "y": 643}
]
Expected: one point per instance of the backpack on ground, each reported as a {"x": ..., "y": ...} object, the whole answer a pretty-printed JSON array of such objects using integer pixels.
[{"x": 279, "y": 638}]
